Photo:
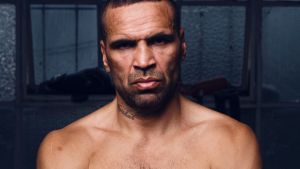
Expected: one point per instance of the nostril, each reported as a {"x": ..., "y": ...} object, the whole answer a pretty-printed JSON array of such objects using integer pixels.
[
  {"x": 144, "y": 63},
  {"x": 144, "y": 68}
]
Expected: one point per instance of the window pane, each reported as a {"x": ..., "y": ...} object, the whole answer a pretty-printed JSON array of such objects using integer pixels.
[
  {"x": 54, "y": 40},
  {"x": 65, "y": 51},
  {"x": 87, "y": 37},
  {"x": 215, "y": 37},
  {"x": 59, "y": 41},
  {"x": 280, "y": 52},
  {"x": 64, "y": 41},
  {"x": 7, "y": 52}
]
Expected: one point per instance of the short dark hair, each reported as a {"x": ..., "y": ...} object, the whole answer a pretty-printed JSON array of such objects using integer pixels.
[{"x": 119, "y": 3}]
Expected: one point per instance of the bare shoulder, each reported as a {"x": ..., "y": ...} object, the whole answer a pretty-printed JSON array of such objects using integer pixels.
[
  {"x": 215, "y": 123},
  {"x": 71, "y": 146},
  {"x": 64, "y": 148},
  {"x": 229, "y": 143},
  {"x": 234, "y": 145}
]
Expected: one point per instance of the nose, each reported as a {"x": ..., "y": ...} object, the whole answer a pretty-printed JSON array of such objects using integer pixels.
[{"x": 144, "y": 57}]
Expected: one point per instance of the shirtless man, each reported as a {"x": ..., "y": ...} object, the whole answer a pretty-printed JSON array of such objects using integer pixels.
[{"x": 148, "y": 125}]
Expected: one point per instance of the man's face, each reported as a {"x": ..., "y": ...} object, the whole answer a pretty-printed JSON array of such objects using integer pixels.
[{"x": 142, "y": 52}]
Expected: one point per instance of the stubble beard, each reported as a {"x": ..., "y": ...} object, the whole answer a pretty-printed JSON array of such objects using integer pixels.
[{"x": 148, "y": 103}]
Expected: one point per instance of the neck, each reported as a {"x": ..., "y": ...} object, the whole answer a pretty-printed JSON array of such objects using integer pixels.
[{"x": 168, "y": 120}]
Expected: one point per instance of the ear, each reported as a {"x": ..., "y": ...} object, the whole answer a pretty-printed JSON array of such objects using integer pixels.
[
  {"x": 104, "y": 56},
  {"x": 183, "y": 44}
]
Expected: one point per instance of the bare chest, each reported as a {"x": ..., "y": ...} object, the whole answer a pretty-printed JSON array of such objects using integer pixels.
[
  {"x": 124, "y": 162},
  {"x": 152, "y": 157}
]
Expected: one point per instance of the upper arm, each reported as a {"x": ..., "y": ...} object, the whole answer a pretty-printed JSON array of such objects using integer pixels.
[
  {"x": 247, "y": 150},
  {"x": 236, "y": 148},
  {"x": 45, "y": 158},
  {"x": 57, "y": 152}
]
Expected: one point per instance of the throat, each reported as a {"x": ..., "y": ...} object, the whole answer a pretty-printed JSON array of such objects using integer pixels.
[
  {"x": 141, "y": 114},
  {"x": 127, "y": 113},
  {"x": 168, "y": 122}
]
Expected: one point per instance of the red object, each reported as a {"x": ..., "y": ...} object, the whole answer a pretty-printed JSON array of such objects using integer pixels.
[{"x": 205, "y": 87}]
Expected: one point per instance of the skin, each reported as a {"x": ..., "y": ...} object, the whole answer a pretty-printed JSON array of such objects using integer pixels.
[
  {"x": 148, "y": 47},
  {"x": 184, "y": 135}
]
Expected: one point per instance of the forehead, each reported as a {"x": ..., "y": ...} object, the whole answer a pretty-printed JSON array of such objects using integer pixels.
[{"x": 139, "y": 19}]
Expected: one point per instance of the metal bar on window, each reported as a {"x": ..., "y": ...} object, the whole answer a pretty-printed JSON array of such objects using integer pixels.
[
  {"x": 63, "y": 8},
  {"x": 76, "y": 37},
  {"x": 281, "y": 105},
  {"x": 44, "y": 42},
  {"x": 248, "y": 51},
  {"x": 214, "y": 3},
  {"x": 179, "y": 6},
  {"x": 99, "y": 12},
  {"x": 281, "y": 3},
  {"x": 30, "y": 59},
  {"x": 87, "y": 2},
  {"x": 7, "y": 2},
  {"x": 19, "y": 85},
  {"x": 257, "y": 5}
]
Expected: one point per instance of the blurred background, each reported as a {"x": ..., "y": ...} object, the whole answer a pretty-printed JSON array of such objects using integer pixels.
[{"x": 243, "y": 60}]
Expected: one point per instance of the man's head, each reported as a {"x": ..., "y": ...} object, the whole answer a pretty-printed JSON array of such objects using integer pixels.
[{"x": 142, "y": 52}]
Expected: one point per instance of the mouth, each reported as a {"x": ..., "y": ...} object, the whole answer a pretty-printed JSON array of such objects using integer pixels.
[{"x": 146, "y": 83}]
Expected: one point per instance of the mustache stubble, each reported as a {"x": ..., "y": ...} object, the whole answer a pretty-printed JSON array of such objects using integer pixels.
[{"x": 138, "y": 74}]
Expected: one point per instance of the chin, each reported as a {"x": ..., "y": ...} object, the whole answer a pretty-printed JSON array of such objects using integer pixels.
[{"x": 147, "y": 101}]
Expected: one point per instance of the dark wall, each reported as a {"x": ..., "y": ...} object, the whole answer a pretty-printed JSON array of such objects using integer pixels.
[{"x": 217, "y": 39}]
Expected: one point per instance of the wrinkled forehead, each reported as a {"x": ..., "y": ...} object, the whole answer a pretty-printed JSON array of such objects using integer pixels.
[{"x": 142, "y": 15}]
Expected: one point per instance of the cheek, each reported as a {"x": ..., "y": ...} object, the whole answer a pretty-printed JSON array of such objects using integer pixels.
[
  {"x": 119, "y": 69},
  {"x": 168, "y": 62},
  {"x": 173, "y": 70}
]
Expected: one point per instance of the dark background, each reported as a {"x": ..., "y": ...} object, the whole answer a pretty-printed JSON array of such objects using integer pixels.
[{"x": 243, "y": 59}]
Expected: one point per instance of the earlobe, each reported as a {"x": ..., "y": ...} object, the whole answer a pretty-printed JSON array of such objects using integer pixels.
[
  {"x": 183, "y": 44},
  {"x": 104, "y": 57}
]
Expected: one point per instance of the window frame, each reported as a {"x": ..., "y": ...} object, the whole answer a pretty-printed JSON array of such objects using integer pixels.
[
  {"x": 247, "y": 86},
  {"x": 28, "y": 66}
]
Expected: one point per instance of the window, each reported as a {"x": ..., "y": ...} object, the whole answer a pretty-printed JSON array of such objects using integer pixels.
[
  {"x": 280, "y": 52},
  {"x": 215, "y": 38},
  {"x": 65, "y": 55},
  {"x": 7, "y": 52}
]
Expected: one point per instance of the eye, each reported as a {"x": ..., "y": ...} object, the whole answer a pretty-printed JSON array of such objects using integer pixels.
[
  {"x": 123, "y": 44},
  {"x": 161, "y": 40}
]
